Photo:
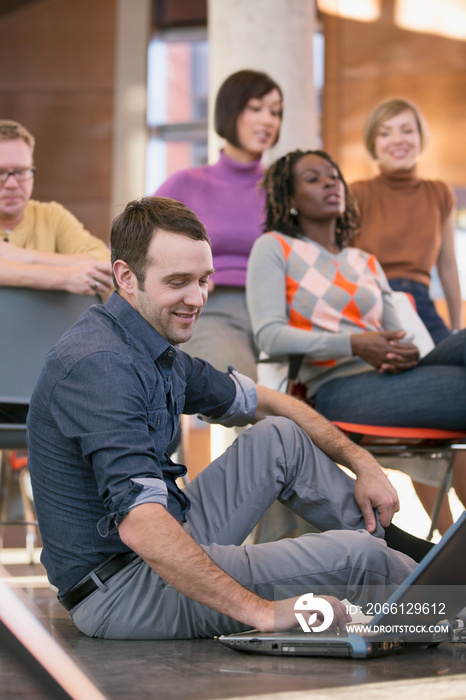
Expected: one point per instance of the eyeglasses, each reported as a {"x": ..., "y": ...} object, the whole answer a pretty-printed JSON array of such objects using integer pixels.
[{"x": 20, "y": 174}]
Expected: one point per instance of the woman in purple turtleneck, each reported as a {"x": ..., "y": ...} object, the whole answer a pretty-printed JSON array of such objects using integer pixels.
[{"x": 227, "y": 199}]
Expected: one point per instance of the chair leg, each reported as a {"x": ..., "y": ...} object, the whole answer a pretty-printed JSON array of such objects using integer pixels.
[
  {"x": 29, "y": 521},
  {"x": 29, "y": 514},
  {"x": 3, "y": 493},
  {"x": 442, "y": 491}
]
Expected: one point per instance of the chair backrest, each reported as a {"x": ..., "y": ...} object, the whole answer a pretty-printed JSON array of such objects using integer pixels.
[{"x": 31, "y": 321}]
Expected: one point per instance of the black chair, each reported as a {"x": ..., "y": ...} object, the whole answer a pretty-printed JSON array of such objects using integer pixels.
[{"x": 31, "y": 322}]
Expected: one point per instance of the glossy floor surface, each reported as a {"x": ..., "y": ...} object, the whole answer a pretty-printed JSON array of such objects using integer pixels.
[{"x": 204, "y": 669}]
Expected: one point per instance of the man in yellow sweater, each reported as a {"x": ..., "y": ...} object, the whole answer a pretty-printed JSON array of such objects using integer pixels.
[{"x": 42, "y": 245}]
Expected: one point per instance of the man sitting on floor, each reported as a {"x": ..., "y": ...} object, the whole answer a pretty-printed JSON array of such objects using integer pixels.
[{"x": 134, "y": 556}]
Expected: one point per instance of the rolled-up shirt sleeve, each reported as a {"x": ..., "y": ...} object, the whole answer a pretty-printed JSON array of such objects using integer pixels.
[
  {"x": 153, "y": 491},
  {"x": 244, "y": 405}
]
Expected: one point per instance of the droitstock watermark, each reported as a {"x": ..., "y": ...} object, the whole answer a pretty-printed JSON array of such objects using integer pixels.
[
  {"x": 311, "y": 605},
  {"x": 420, "y": 612},
  {"x": 415, "y": 630}
]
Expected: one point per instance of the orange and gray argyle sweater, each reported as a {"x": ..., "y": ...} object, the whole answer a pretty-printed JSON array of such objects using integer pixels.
[{"x": 304, "y": 299}]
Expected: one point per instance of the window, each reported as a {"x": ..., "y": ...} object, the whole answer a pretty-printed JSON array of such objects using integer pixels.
[
  {"x": 177, "y": 103},
  {"x": 177, "y": 100}
]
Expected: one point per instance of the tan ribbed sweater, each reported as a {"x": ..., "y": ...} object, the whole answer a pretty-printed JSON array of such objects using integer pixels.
[{"x": 402, "y": 222}]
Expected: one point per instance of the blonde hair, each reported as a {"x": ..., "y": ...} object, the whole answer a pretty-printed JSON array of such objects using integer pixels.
[
  {"x": 10, "y": 130},
  {"x": 388, "y": 109}
]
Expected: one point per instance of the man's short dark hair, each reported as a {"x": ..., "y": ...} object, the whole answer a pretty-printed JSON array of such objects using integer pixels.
[
  {"x": 132, "y": 230},
  {"x": 233, "y": 96}
]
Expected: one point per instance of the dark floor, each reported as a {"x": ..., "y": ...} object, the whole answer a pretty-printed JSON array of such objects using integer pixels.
[{"x": 205, "y": 670}]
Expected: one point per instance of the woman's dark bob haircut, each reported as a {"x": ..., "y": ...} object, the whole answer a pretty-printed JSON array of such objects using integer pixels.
[{"x": 233, "y": 96}]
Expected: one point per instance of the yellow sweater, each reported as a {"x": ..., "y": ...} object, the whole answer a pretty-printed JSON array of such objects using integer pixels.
[{"x": 49, "y": 227}]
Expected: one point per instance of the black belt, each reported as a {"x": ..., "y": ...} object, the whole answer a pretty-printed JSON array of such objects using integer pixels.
[{"x": 104, "y": 572}]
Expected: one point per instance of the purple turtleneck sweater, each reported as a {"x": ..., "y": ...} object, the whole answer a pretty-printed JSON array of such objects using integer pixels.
[{"x": 226, "y": 198}]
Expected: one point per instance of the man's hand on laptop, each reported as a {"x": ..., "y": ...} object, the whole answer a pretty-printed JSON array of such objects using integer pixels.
[{"x": 284, "y": 617}]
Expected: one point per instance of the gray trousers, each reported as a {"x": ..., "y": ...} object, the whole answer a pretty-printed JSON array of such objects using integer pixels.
[{"x": 274, "y": 459}]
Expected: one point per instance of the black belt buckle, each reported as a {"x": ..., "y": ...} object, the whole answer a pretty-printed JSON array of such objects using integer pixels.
[{"x": 103, "y": 571}]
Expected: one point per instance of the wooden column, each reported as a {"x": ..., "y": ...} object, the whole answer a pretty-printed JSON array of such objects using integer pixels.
[{"x": 274, "y": 36}]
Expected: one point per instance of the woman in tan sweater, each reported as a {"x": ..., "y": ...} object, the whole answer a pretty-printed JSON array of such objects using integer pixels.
[{"x": 407, "y": 222}]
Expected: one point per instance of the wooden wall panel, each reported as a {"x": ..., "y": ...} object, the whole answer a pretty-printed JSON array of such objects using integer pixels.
[
  {"x": 73, "y": 135},
  {"x": 60, "y": 84},
  {"x": 369, "y": 62}
]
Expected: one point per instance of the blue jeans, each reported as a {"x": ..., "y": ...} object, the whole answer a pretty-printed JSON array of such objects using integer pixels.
[
  {"x": 431, "y": 395},
  {"x": 424, "y": 306}
]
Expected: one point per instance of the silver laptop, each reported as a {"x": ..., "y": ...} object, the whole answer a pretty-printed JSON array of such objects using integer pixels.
[{"x": 419, "y": 613}]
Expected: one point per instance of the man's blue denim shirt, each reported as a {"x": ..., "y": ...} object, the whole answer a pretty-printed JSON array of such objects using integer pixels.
[{"x": 104, "y": 410}]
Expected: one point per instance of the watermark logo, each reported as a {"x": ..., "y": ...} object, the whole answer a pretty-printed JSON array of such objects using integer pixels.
[{"x": 309, "y": 603}]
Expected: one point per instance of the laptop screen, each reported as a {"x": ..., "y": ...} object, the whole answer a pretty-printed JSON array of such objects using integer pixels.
[{"x": 435, "y": 589}]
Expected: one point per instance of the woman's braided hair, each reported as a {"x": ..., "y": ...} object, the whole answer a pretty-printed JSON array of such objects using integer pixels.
[{"x": 278, "y": 183}]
